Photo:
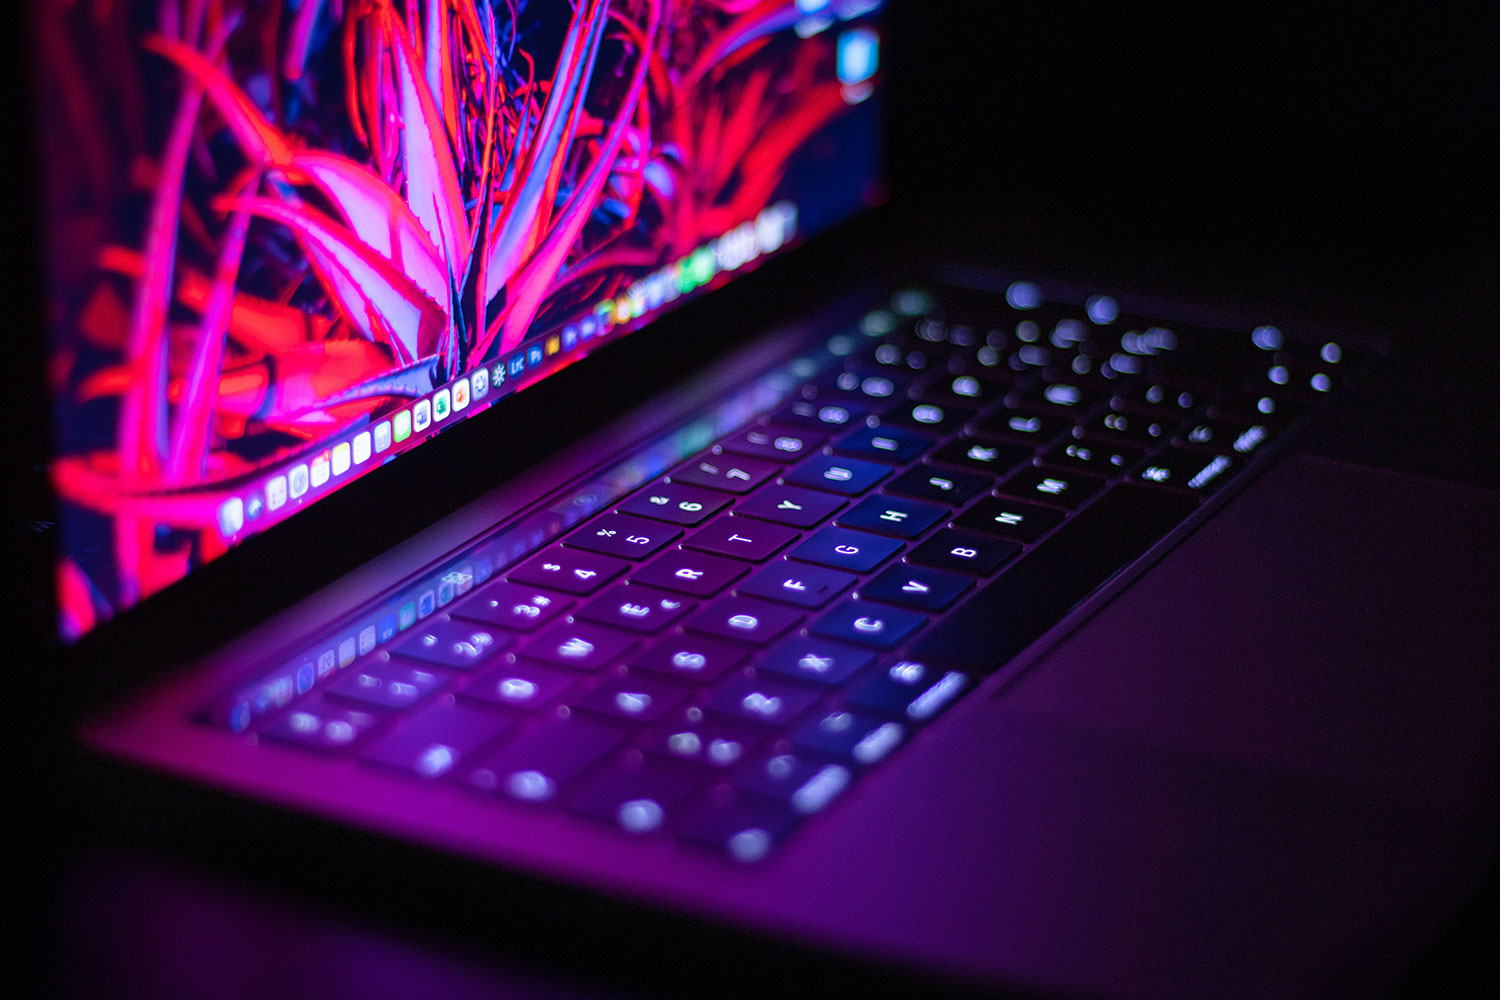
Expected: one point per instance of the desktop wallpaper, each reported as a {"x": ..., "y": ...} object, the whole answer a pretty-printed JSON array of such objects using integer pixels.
[{"x": 288, "y": 240}]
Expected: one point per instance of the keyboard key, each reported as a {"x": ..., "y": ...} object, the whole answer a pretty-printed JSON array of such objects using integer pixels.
[
  {"x": 763, "y": 700},
  {"x": 826, "y": 784},
  {"x": 741, "y": 538},
  {"x": 580, "y": 645},
  {"x": 927, "y": 482},
  {"x": 320, "y": 724},
  {"x": 790, "y": 505},
  {"x": 851, "y": 733},
  {"x": 570, "y": 570},
  {"x": 1154, "y": 398},
  {"x": 1127, "y": 428},
  {"x": 1060, "y": 396},
  {"x": 895, "y": 445},
  {"x": 1225, "y": 435},
  {"x": 388, "y": 684},
  {"x": 744, "y": 619},
  {"x": 1008, "y": 518},
  {"x": 638, "y": 697},
  {"x": 847, "y": 476},
  {"x": 983, "y": 456},
  {"x": 825, "y": 415},
  {"x": 452, "y": 642},
  {"x": 814, "y": 659},
  {"x": 845, "y": 548},
  {"x": 965, "y": 552},
  {"x": 777, "y": 774},
  {"x": 916, "y": 587},
  {"x": 893, "y": 516},
  {"x": 1023, "y": 426},
  {"x": 930, "y": 417},
  {"x": 522, "y": 685},
  {"x": 636, "y": 799},
  {"x": 622, "y": 535},
  {"x": 678, "y": 503},
  {"x": 1260, "y": 407},
  {"x": 697, "y": 737},
  {"x": 633, "y": 607},
  {"x": 898, "y": 357},
  {"x": 966, "y": 389},
  {"x": 730, "y": 473},
  {"x": 536, "y": 766},
  {"x": 1065, "y": 489},
  {"x": 691, "y": 572},
  {"x": 437, "y": 739},
  {"x": 909, "y": 688},
  {"x": 870, "y": 624},
  {"x": 513, "y": 605},
  {"x": 1095, "y": 459},
  {"x": 692, "y": 656},
  {"x": 745, "y": 827},
  {"x": 867, "y": 384},
  {"x": 1006, "y": 615},
  {"x": 797, "y": 583},
  {"x": 778, "y": 444},
  {"x": 1196, "y": 472}
]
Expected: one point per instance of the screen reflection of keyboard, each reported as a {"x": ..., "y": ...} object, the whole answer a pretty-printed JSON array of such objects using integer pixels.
[{"x": 718, "y": 656}]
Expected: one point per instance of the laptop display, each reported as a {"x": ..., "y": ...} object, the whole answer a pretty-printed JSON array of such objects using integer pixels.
[{"x": 289, "y": 243}]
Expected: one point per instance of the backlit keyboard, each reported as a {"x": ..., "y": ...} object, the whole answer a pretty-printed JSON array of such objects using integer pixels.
[{"x": 719, "y": 654}]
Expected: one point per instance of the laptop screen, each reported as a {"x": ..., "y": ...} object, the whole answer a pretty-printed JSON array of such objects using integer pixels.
[{"x": 288, "y": 241}]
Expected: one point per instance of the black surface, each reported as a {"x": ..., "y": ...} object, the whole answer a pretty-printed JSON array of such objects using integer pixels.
[{"x": 1323, "y": 164}]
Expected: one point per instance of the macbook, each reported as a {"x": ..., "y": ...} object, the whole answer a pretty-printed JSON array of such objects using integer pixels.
[{"x": 460, "y": 444}]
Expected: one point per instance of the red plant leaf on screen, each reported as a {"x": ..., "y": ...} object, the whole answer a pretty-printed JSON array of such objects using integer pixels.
[
  {"x": 79, "y": 604},
  {"x": 431, "y": 180},
  {"x": 379, "y": 218},
  {"x": 258, "y": 325},
  {"x": 192, "y": 424},
  {"x": 542, "y": 270},
  {"x": 757, "y": 22},
  {"x": 258, "y": 137},
  {"x": 525, "y": 210},
  {"x": 377, "y": 299},
  {"x": 76, "y": 479},
  {"x": 439, "y": 71},
  {"x": 307, "y": 382},
  {"x": 294, "y": 59}
]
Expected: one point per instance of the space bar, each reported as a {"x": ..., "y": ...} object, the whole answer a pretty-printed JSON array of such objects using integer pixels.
[{"x": 1033, "y": 595}]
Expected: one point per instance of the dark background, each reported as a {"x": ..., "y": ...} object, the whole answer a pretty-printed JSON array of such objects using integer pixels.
[
  {"x": 1327, "y": 163},
  {"x": 1339, "y": 156}
]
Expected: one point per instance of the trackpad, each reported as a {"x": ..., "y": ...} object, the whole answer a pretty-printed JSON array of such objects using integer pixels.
[{"x": 1335, "y": 620}]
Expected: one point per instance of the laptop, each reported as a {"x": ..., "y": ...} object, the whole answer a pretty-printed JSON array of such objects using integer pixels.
[{"x": 445, "y": 477}]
